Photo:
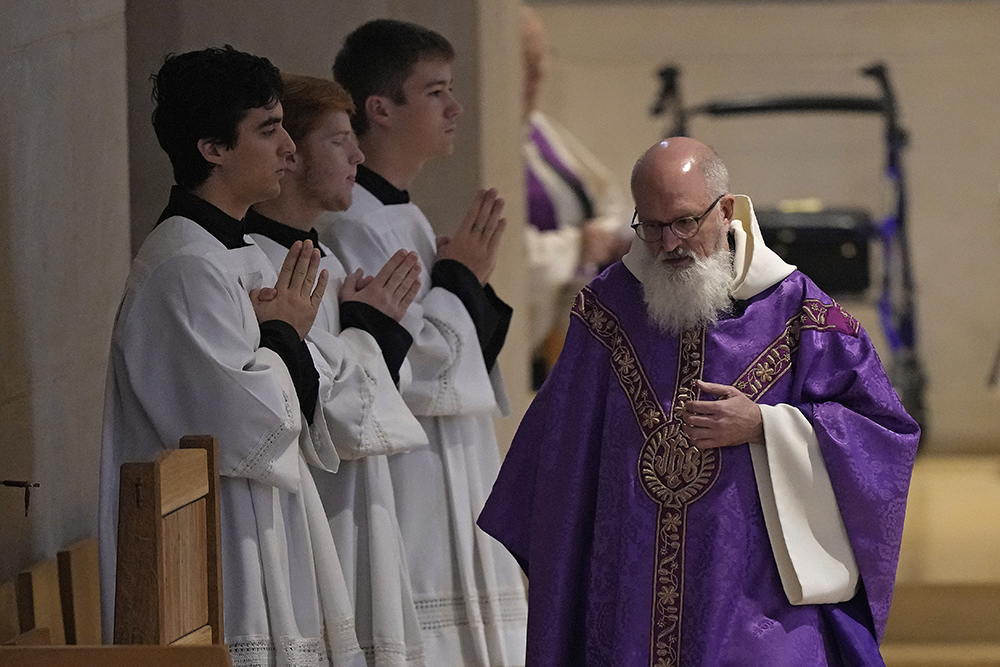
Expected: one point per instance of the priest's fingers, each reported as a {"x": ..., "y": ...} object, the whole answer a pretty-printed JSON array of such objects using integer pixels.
[
  {"x": 694, "y": 421},
  {"x": 709, "y": 437},
  {"x": 288, "y": 266},
  {"x": 714, "y": 409},
  {"x": 700, "y": 408},
  {"x": 731, "y": 422},
  {"x": 720, "y": 390}
]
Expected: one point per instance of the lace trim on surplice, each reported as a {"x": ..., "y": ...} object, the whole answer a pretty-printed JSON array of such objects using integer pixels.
[
  {"x": 436, "y": 613},
  {"x": 291, "y": 651}
]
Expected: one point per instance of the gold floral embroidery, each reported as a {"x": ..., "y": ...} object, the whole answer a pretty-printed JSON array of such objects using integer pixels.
[
  {"x": 673, "y": 472},
  {"x": 818, "y": 315},
  {"x": 776, "y": 360}
]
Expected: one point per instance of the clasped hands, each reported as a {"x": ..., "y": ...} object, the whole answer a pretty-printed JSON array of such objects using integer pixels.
[
  {"x": 731, "y": 419},
  {"x": 391, "y": 290},
  {"x": 476, "y": 242},
  {"x": 295, "y": 300}
]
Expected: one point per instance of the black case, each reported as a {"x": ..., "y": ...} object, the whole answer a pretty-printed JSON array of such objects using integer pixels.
[{"x": 830, "y": 246}]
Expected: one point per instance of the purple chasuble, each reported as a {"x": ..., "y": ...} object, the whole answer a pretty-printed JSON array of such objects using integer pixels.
[{"x": 641, "y": 550}]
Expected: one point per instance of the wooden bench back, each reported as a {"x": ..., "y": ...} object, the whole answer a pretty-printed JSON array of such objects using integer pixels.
[{"x": 169, "y": 572}]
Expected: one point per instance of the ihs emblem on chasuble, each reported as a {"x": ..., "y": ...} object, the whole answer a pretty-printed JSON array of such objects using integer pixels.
[{"x": 675, "y": 473}]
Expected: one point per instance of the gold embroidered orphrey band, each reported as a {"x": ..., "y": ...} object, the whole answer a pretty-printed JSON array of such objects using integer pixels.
[{"x": 675, "y": 473}]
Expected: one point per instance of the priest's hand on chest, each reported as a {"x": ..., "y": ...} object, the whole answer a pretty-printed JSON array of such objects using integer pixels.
[
  {"x": 296, "y": 296},
  {"x": 730, "y": 419}
]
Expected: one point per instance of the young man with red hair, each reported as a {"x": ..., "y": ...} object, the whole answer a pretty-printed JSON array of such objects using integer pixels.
[{"x": 357, "y": 332}]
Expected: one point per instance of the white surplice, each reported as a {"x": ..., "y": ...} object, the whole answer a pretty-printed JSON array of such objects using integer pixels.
[
  {"x": 368, "y": 421},
  {"x": 185, "y": 359},
  {"x": 467, "y": 589}
]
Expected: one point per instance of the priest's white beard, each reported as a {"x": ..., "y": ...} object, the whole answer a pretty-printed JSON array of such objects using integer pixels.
[{"x": 685, "y": 298}]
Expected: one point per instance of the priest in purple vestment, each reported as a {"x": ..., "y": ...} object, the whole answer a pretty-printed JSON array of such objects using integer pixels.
[{"x": 715, "y": 473}]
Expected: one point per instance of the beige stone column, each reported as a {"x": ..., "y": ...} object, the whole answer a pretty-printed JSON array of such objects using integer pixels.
[{"x": 63, "y": 259}]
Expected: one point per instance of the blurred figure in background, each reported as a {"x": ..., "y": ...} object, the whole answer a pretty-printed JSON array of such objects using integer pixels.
[{"x": 577, "y": 218}]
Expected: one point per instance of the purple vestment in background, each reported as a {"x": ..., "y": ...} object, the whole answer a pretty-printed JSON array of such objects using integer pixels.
[
  {"x": 641, "y": 550},
  {"x": 541, "y": 211}
]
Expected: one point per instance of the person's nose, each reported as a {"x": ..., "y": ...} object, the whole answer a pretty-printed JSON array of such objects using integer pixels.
[
  {"x": 356, "y": 157},
  {"x": 668, "y": 240},
  {"x": 454, "y": 109}
]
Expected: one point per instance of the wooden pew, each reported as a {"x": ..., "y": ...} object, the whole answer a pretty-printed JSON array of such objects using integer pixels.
[
  {"x": 169, "y": 576},
  {"x": 80, "y": 592},
  {"x": 215, "y": 655},
  {"x": 169, "y": 580}
]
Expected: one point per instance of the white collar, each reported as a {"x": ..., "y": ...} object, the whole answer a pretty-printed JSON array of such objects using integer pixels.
[{"x": 756, "y": 266}]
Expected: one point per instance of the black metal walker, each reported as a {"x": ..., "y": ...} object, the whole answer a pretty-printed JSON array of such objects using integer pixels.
[{"x": 896, "y": 302}]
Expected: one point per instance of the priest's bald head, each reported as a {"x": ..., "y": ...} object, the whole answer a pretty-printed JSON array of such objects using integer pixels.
[{"x": 682, "y": 214}]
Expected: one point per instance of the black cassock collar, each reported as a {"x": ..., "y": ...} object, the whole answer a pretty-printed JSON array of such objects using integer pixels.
[
  {"x": 384, "y": 191},
  {"x": 278, "y": 232},
  {"x": 227, "y": 229}
]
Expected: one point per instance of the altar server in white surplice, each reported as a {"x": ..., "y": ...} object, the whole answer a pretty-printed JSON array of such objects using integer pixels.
[
  {"x": 358, "y": 334},
  {"x": 468, "y": 593},
  {"x": 203, "y": 343}
]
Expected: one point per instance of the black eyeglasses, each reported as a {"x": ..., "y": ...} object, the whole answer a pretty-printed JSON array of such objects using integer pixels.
[{"x": 683, "y": 228}]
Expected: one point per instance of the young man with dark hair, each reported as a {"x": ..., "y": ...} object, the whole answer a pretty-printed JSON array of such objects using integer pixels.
[
  {"x": 379, "y": 57},
  {"x": 468, "y": 593},
  {"x": 357, "y": 331},
  {"x": 203, "y": 344}
]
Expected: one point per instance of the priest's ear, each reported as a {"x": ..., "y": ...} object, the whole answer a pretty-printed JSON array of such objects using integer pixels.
[{"x": 728, "y": 206}]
